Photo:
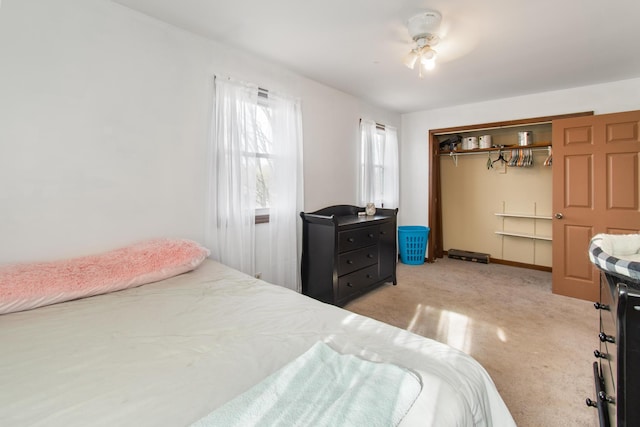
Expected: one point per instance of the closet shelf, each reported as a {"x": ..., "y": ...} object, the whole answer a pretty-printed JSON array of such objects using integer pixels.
[
  {"x": 524, "y": 216},
  {"x": 526, "y": 236},
  {"x": 495, "y": 149},
  {"x": 514, "y": 215}
]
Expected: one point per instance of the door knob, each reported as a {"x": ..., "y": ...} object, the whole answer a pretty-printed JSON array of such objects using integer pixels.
[{"x": 559, "y": 215}]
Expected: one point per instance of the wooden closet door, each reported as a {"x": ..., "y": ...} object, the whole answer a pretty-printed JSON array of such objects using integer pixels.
[{"x": 596, "y": 189}]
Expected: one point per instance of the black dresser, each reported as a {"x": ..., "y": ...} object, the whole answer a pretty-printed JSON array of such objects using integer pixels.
[
  {"x": 345, "y": 255},
  {"x": 617, "y": 370}
]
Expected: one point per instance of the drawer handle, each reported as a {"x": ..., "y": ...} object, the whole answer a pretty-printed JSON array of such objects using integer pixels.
[
  {"x": 603, "y": 396},
  {"x": 370, "y": 235},
  {"x": 370, "y": 256},
  {"x": 349, "y": 284},
  {"x": 349, "y": 261},
  {"x": 599, "y": 355},
  {"x": 606, "y": 338},
  {"x": 351, "y": 240},
  {"x": 591, "y": 403},
  {"x": 599, "y": 306},
  {"x": 369, "y": 276}
]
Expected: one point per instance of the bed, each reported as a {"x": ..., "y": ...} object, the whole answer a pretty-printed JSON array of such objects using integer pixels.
[{"x": 172, "y": 352}]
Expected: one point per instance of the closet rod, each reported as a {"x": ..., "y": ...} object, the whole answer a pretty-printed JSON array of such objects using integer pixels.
[{"x": 518, "y": 147}]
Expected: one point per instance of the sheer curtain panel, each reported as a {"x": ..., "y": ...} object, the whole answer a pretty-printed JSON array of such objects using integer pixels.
[
  {"x": 378, "y": 181},
  {"x": 284, "y": 246},
  {"x": 232, "y": 193},
  {"x": 391, "y": 182}
]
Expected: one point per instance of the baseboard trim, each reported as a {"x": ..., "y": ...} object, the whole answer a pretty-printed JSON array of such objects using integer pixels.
[
  {"x": 516, "y": 264},
  {"x": 522, "y": 265}
]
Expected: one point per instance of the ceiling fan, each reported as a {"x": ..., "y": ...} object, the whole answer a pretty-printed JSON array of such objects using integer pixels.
[{"x": 423, "y": 29}]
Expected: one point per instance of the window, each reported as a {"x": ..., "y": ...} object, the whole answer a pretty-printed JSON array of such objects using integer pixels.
[
  {"x": 378, "y": 177},
  {"x": 376, "y": 166},
  {"x": 264, "y": 158}
]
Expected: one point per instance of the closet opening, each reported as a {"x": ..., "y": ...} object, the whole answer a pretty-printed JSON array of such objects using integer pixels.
[{"x": 491, "y": 190}]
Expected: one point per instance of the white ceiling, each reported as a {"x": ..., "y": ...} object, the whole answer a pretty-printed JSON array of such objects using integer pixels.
[{"x": 490, "y": 49}]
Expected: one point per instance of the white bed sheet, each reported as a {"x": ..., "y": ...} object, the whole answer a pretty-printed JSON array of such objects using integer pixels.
[{"x": 168, "y": 353}]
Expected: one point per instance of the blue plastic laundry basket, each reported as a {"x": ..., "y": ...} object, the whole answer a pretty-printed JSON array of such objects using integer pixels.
[{"x": 412, "y": 240}]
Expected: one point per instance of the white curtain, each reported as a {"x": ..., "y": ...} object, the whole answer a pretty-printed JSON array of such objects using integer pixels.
[
  {"x": 231, "y": 219},
  {"x": 378, "y": 181},
  {"x": 232, "y": 199},
  {"x": 286, "y": 191}
]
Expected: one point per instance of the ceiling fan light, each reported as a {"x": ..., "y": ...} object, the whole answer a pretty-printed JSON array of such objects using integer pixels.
[
  {"x": 423, "y": 30},
  {"x": 428, "y": 54},
  {"x": 410, "y": 59},
  {"x": 428, "y": 64}
]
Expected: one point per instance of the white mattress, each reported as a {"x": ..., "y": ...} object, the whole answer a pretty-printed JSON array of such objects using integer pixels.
[{"x": 168, "y": 353}]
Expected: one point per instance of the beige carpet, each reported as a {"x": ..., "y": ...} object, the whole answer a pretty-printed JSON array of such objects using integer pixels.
[{"x": 537, "y": 346}]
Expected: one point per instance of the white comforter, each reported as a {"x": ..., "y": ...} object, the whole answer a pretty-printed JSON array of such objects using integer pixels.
[{"x": 168, "y": 353}]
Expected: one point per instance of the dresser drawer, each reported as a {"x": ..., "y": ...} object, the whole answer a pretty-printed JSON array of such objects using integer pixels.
[
  {"x": 355, "y": 260},
  {"x": 358, "y": 238},
  {"x": 608, "y": 312},
  {"x": 608, "y": 356},
  {"x": 353, "y": 282}
]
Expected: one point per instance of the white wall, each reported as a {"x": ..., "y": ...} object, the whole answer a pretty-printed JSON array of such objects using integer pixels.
[
  {"x": 414, "y": 147},
  {"x": 104, "y": 116}
]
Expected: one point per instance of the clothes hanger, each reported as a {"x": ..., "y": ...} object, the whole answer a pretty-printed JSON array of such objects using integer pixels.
[
  {"x": 500, "y": 158},
  {"x": 549, "y": 160}
]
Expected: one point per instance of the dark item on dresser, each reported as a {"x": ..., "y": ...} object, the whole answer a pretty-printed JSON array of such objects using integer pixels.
[
  {"x": 345, "y": 255},
  {"x": 617, "y": 369}
]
